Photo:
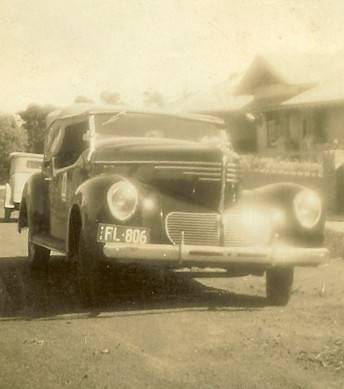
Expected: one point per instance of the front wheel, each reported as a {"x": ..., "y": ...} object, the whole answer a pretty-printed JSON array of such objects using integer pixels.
[
  {"x": 88, "y": 273},
  {"x": 279, "y": 283}
]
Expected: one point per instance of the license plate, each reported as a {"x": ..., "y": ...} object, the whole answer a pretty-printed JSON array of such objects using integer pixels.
[{"x": 122, "y": 234}]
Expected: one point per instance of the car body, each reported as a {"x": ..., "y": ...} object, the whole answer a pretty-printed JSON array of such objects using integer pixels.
[
  {"x": 22, "y": 165},
  {"x": 157, "y": 188}
]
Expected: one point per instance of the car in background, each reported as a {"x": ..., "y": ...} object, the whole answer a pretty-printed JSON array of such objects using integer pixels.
[
  {"x": 162, "y": 189},
  {"x": 22, "y": 165}
]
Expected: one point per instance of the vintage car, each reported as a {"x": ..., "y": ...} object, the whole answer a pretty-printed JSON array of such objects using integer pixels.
[
  {"x": 156, "y": 188},
  {"x": 22, "y": 165}
]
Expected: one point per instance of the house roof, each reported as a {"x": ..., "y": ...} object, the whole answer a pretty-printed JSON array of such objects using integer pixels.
[
  {"x": 218, "y": 98},
  {"x": 329, "y": 91},
  {"x": 288, "y": 68},
  {"x": 84, "y": 109}
]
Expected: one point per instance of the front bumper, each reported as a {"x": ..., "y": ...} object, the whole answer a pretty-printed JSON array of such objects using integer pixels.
[{"x": 187, "y": 255}]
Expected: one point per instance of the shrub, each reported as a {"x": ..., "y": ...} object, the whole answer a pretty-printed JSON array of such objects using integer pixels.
[{"x": 12, "y": 138}]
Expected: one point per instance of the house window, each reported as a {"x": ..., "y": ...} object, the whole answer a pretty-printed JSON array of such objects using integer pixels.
[
  {"x": 273, "y": 129},
  {"x": 279, "y": 135}
]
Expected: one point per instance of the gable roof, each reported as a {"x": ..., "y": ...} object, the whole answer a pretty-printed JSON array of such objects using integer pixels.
[
  {"x": 288, "y": 68},
  {"x": 330, "y": 91},
  {"x": 218, "y": 98}
]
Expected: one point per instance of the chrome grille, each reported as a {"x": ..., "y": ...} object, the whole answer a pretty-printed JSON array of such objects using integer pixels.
[
  {"x": 203, "y": 171},
  {"x": 198, "y": 228},
  {"x": 243, "y": 228},
  {"x": 204, "y": 229}
]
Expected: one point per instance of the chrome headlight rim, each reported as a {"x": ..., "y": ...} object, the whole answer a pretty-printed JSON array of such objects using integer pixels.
[
  {"x": 115, "y": 188},
  {"x": 313, "y": 199}
]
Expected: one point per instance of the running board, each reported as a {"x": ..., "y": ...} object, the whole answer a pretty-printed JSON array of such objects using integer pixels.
[{"x": 50, "y": 242}]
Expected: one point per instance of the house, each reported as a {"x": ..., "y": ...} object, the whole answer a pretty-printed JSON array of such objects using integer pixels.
[
  {"x": 299, "y": 109},
  {"x": 221, "y": 101},
  {"x": 323, "y": 106},
  {"x": 297, "y": 101},
  {"x": 258, "y": 93}
]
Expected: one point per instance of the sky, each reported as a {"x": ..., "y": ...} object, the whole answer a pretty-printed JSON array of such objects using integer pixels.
[{"x": 53, "y": 51}]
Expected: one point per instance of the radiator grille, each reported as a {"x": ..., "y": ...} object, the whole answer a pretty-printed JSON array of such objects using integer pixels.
[
  {"x": 198, "y": 228},
  {"x": 204, "y": 229}
]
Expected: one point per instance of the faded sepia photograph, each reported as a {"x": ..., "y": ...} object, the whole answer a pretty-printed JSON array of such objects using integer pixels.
[{"x": 172, "y": 194}]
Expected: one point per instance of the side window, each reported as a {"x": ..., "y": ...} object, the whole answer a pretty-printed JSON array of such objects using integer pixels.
[
  {"x": 51, "y": 140},
  {"x": 70, "y": 144},
  {"x": 56, "y": 140}
]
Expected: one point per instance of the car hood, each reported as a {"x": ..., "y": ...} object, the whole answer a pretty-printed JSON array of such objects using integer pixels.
[
  {"x": 133, "y": 150},
  {"x": 190, "y": 170}
]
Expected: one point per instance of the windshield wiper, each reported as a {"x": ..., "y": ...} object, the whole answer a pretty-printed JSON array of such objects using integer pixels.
[{"x": 115, "y": 117}]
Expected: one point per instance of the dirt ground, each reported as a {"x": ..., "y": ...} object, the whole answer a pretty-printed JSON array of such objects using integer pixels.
[{"x": 155, "y": 331}]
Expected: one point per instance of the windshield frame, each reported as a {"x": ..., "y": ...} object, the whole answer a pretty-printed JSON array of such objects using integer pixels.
[{"x": 215, "y": 123}]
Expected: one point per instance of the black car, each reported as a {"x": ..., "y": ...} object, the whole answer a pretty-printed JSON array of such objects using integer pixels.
[{"x": 157, "y": 188}]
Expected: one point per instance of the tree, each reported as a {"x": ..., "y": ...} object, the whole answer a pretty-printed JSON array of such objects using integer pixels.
[
  {"x": 12, "y": 138},
  {"x": 153, "y": 98},
  {"x": 34, "y": 118},
  {"x": 82, "y": 99},
  {"x": 108, "y": 97}
]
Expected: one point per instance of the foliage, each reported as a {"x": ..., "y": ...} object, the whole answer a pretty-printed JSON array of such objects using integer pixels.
[
  {"x": 12, "y": 138},
  {"x": 153, "y": 99},
  {"x": 34, "y": 118},
  {"x": 277, "y": 165},
  {"x": 83, "y": 99},
  {"x": 108, "y": 97}
]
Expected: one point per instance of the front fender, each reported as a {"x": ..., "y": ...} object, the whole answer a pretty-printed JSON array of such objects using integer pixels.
[
  {"x": 34, "y": 204},
  {"x": 91, "y": 200},
  {"x": 280, "y": 197}
]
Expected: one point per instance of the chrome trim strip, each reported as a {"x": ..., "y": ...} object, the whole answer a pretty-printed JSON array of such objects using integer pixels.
[
  {"x": 223, "y": 183},
  {"x": 189, "y": 167},
  {"x": 92, "y": 125},
  {"x": 218, "y": 179},
  {"x": 201, "y": 174},
  {"x": 158, "y": 163}
]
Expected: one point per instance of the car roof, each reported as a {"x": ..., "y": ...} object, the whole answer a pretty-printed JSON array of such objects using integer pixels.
[
  {"x": 84, "y": 109},
  {"x": 20, "y": 154}
]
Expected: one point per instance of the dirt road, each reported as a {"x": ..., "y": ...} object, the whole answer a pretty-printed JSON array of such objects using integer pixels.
[{"x": 156, "y": 332}]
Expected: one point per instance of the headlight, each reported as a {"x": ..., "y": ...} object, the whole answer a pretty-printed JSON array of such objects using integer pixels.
[
  {"x": 307, "y": 208},
  {"x": 122, "y": 199}
]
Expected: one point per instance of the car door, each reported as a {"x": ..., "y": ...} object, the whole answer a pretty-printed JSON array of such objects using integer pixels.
[{"x": 62, "y": 187}]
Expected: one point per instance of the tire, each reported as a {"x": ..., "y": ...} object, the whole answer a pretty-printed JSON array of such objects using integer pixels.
[
  {"x": 7, "y": 212},
  {"x": 38, "y": 256},
  {"x": 88, "y": 274},
  {"x": 279, "y": 283}
]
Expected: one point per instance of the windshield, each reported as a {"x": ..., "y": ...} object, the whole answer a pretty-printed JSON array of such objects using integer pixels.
[{"x": 156, "y": 126}]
